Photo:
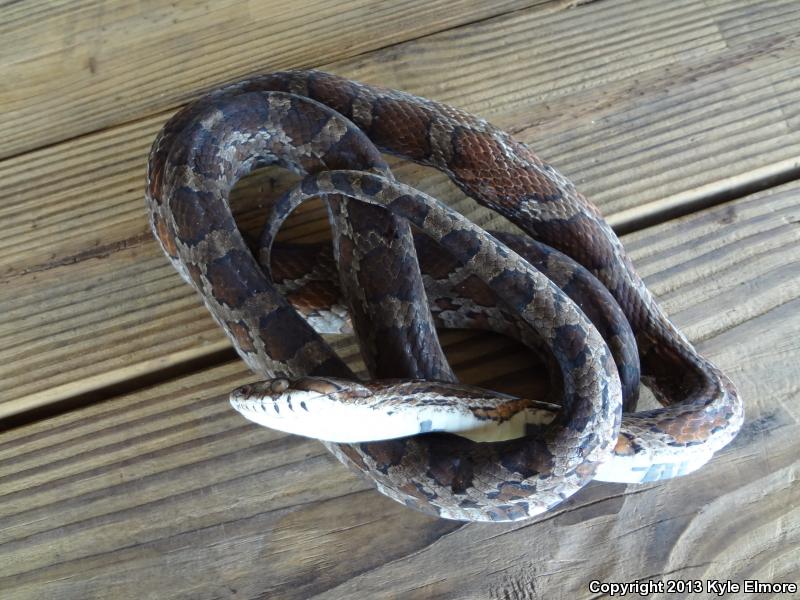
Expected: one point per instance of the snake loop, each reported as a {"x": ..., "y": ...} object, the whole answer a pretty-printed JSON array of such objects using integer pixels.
[{"x": 299, "y": 120}]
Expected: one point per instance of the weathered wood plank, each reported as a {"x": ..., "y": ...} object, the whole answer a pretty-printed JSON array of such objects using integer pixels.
[
  {"x": 674, "y": 102},
  {"x": 718, "y": 108},
  {"x": 168, "y": 489},
  {"x": 68, "y": 70},
  {"x": 631, "y": 133}
]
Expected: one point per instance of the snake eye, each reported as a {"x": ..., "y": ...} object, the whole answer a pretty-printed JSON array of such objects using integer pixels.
[{"x": 279, "y": 386}]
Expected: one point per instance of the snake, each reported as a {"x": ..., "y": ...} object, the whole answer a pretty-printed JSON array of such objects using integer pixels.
[{"x": 332, "y": 131}]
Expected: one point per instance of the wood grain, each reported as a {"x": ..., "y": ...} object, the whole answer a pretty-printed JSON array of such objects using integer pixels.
[
  {"x": 168, "y": 489},
  {"x": 68, "y": 70},
  {"x": 720, "y": 111},
  {"x": 714, "y": 109}
]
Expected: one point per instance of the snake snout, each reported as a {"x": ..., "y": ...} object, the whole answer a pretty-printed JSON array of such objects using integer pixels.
[{"x": 241, "y": 392}]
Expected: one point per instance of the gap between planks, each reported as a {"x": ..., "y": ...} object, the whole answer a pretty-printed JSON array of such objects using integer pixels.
[
  {"x": 633, "y": 219},
  {"x": 111, "y": 384}
]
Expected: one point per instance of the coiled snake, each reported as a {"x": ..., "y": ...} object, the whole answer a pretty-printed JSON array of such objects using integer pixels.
[{"x": 332, "y": 131}]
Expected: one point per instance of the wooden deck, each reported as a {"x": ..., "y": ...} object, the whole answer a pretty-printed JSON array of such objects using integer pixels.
[{"x": 123, "y": 471}]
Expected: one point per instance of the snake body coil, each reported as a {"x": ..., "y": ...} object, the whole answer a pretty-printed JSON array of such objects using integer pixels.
[{"x": 333, "y": 130}]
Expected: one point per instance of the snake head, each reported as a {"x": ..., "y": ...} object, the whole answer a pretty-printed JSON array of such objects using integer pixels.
[
  {"x": 281, "y": 387},
  {"x": 279, "y": 398},
  {"x": 309, "y": 406}
]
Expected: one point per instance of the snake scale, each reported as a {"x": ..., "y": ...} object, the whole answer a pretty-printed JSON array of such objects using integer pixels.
[{"x": 332, "y": 131}]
